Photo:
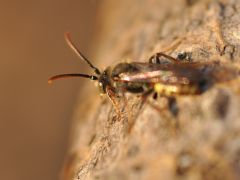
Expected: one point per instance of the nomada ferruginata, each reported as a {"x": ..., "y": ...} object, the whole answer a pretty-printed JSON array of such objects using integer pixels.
[{"x": 167, "y": 79}]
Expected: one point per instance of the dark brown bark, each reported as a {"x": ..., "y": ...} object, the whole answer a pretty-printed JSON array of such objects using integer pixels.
[{"x": 203, "y": 141}]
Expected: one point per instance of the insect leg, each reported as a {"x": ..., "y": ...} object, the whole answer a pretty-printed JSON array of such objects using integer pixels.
[
  {"x": 145, "y": 95},
  {"x": 112, "y": 97},
  {"x": 172, "y": 105},
  {"x": 155, "y": 59},
  {"x": 155, "y": 95}
]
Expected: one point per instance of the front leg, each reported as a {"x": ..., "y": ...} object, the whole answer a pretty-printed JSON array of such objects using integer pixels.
[{"x": 112, "y": 97}]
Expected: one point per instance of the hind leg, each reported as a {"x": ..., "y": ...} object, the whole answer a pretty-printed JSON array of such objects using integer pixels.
[
  {"x": 172, "y": 105},
  {"x": 156, "y": 58}
]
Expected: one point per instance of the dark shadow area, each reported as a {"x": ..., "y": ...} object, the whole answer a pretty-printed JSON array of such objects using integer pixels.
[{"x": 35, "y": 118}]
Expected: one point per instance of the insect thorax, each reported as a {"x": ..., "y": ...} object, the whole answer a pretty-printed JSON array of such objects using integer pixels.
[{"x": 133, "y": 87}]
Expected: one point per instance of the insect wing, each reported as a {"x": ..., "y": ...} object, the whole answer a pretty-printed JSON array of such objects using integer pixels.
[{"x": 164, "y": 73}]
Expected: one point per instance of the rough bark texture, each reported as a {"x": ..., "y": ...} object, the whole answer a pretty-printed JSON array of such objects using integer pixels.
[{"x": 203, "y": 141}]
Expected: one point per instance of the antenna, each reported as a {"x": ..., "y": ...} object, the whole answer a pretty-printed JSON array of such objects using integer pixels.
[
  {"x": 61, "y": 76},
  {"x": 78, "y": 53}
]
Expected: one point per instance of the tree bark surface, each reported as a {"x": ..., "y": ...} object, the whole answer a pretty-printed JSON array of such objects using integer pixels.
[{"x": 203, "y": 141}]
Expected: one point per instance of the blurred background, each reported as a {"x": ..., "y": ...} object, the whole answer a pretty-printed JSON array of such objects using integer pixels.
[{"x": 35, "y": 118}]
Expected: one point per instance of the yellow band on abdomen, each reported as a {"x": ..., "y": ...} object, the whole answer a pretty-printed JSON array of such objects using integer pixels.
[{"x": 170, "y": 90}]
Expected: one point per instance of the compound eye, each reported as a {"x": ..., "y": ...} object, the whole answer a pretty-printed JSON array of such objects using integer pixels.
[{"x": 93, "y": 78}]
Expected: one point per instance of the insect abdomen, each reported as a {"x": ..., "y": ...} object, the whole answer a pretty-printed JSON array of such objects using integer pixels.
[{"x": 173, "y": 90}]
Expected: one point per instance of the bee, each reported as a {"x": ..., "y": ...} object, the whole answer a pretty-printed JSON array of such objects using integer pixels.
[{"x": 169, "y": 77}]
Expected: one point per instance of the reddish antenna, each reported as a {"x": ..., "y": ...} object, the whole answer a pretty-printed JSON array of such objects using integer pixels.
[
  {"x": 79, "y": 54},
  {"x": 63, "y": 76}
]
